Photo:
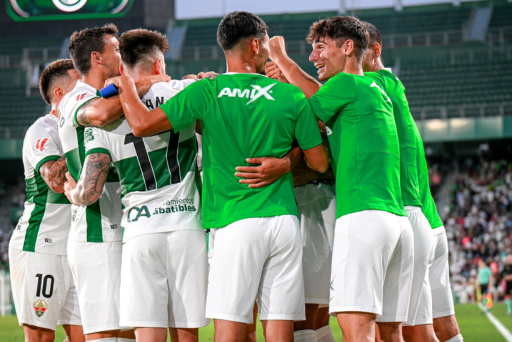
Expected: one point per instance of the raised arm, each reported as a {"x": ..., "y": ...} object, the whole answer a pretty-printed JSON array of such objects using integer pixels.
[
  {"x": 291, "y": 70},
  {"x": 54, "y": 174},
  {"x": 90, "y": 185}
]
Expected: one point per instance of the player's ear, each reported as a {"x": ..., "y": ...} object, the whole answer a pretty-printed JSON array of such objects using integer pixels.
[
  {"x": 59, "y": 93},
  {"x": 95, "y": 58},
  {"x": 157, "y": 66},
  {"x": 121, "y": 69},
  {"x": 348, "y": 47},
  {"x": 377, "y": 49},
  {"x": 255, "y": 44}
]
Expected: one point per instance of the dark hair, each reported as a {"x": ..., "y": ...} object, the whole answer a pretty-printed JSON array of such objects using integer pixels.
[
  {"x": 51, "y": 74},
  {"x": 373, "y": 33},
  {"x": 238, "y": 25},
  {"x": 136, "y": 44},
  {"x": 341, "y": 29},
  {"x": 87, "y": 41}
]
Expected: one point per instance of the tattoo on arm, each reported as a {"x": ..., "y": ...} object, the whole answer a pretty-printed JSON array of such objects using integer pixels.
[
  {"x": 83, "y": 116},
  {"x": 90, "y": 186},
  {"x": 54, "y": 174}
]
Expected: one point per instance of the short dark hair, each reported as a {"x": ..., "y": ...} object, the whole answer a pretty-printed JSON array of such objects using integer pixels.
[
  {"x": 51, "y": 74},
  {"x": 373, "y": 33},
  {"x": 136, "y": 44},
  {"x": 85, "y": 42},
  {"x": 341, "y": 29},
  {"x": 238, "y": 25}
]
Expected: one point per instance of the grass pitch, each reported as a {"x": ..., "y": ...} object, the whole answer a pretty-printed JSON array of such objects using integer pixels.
[{"x": 474, "y": 325}]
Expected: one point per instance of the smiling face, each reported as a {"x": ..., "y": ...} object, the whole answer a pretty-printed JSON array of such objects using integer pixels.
[{"x": 327, "y": 57}]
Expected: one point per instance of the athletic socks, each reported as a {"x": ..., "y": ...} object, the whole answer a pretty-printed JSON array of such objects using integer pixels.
[
  {"x": 110, "y": 339},
  {"x": 457, "y": 338},
  {"x": 122, "y": 339},
  {"x": 324, "y": 334},
  {"x": 508, "y": 304},
  {"x": 304, "y": 336}
]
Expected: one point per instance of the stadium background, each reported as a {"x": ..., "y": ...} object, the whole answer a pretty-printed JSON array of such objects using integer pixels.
[{"x": 453, "y": 58}]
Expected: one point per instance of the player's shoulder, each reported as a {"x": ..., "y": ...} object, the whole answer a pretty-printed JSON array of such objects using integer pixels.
[
  {"x": 79, "y": 93},
  {"x": 168, "y": 89},
  {"x": 45, "y": 124}
]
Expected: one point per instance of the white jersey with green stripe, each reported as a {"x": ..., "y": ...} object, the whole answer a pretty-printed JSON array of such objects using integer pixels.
[
  {"x": 158, "y": 174},
  {"x": 44, "y": 226},
  {"x": 101, "y": 221}
]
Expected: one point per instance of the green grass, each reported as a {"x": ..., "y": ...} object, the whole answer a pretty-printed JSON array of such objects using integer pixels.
[{"x": 475, "y": 327}]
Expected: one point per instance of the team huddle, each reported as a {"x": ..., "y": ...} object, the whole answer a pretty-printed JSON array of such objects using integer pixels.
[{"x": 303, "y": 199}]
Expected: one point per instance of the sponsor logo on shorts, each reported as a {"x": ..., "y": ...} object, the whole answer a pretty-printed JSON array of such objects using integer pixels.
[
  {"x": 48, "y": 240},
  {"x": 40, "y": 307},
  {"x": 172, "y": 206}
]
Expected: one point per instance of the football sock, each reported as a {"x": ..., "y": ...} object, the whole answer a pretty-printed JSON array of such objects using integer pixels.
[
  {"x": 304, "y": 336},
  {"x": 508, "y": 303},
  {"x": 457, "y": 338},
  {"x": 109, "y": 339},
  {"x": 122, "y": 339},
  {"x": 324, "y": 334}
]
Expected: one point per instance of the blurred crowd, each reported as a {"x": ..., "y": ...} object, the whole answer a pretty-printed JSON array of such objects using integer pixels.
[
  {"x": 479, "y": 226},
  {"x": 12, "y": 199}
]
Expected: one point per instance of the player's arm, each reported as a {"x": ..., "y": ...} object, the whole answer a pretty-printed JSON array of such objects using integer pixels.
[
  {"x": 291, "y": 70},
  {"x": 102, "y": 111},
  {"x": 54, "y": 174},
  {"x": 90, "y": 185},
  {"x": 269, "y": 170}
]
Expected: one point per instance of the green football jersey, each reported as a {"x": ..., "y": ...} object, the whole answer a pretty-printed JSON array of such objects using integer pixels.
[
  {"x": 364, "y": 144},
  {"x": 408, "y": 135},
  {"x": 429, "y": 206},
  {"x": 244, "y": 116}
]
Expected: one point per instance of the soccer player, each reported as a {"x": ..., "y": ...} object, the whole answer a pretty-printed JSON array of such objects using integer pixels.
[
  {"x": 257, "y": 248},
  {"x": 94, "y": 246},
  {"x": 484, "y": 281},
  {"x": 506, "y": 274},
  {"x": 43, "y": 288},
  {"x": 164, "y": 263},
  {"x": 410, "y": 158},
  {"x": 372, "y": 231}
]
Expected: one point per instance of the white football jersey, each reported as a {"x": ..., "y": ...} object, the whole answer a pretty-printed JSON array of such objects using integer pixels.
[
  {"x": 100, "y": 221},
  {"x": 158, "y": 174},
  {"x": 44, "y": 226}
]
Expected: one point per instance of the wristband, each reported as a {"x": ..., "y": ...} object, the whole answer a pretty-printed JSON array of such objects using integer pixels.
[{"x": 109, "y": 91}]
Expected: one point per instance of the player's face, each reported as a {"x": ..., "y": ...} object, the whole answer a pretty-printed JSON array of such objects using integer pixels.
[
  {"x": 111, "y": 56},
  {"x": 262, "y": 57},
  {"x": 327, "y": 57}
]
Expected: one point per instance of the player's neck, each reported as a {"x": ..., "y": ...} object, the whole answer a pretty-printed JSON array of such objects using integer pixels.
[
  {"x": 54, "y": 111},
  {"x": 378, "y": 65},
  {"x": 352, "y": 66},
  {"x": 240, "y": 65},
  {"x": 95, "y": 78}
]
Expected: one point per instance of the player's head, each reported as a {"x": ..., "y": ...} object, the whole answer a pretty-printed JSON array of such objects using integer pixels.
[
  {"x": 142, "y": 53},
  {"x": 58, "y": 79},
  {"x": 96, "y": 49},
  {"x": 244, "y": 35},
  {"x": 481, "y": 263},
  {"x": 374, "y": 51},
  {"x": 334, "y": 41}
]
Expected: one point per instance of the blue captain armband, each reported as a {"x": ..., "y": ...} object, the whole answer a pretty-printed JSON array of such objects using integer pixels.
[{"x": 109, "y": 91}]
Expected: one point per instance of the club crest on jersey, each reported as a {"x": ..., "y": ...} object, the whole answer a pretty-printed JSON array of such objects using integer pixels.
[
  {"x": 255, "y": 93},
  {"x": 40, "y": 144},
  {"x": 40, "y": 307}
]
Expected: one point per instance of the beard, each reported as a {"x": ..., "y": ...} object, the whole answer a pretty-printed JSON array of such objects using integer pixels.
[{"x": 111, "y": 71}]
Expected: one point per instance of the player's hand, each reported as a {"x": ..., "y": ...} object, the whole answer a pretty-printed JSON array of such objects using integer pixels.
[
  {"x": 303, "y": 175},
  {"x": 147, "y": 82},
  {"x": 269, "y": 171},
  {"x": 273, "y": 71},
  {"x": 210, "y": 74},
  {"x": 277, "y": 48},
  {"x": 69, "y": 186},
  {"x": 115, "y": 80}
]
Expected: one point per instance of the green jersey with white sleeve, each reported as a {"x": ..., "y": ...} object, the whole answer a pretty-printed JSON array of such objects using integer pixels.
[
  {"x": 159, "y": 178},
  {"x": 44, "y": 226},
  {"x": 101, "y": 221}
]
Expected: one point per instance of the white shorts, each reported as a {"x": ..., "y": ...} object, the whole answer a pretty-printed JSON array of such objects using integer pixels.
[
  {"x": 439, "y": 275},
  {"x": 423, "y": 258},
  {"x": 257, "y": 258},
  {"x": 43, "y": 289},
  {"x": 317, "y": 221},
  {"x": 96, "y": 268},
  {"x": 371, "y": 265},
  {"x": 164, "y": 280}
]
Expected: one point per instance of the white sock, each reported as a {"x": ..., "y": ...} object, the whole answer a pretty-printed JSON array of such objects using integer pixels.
[
  {"x": 324, "y": 334},
  {"x": 304, "y": 336},
  {"x": 123, "y": 339},
  {"x": 109, "y": 339},
  {"x": 457, "y": 338}
]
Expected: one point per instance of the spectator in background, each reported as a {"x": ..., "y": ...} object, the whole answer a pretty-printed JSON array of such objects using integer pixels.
[{"x": 484, "y": 280}]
